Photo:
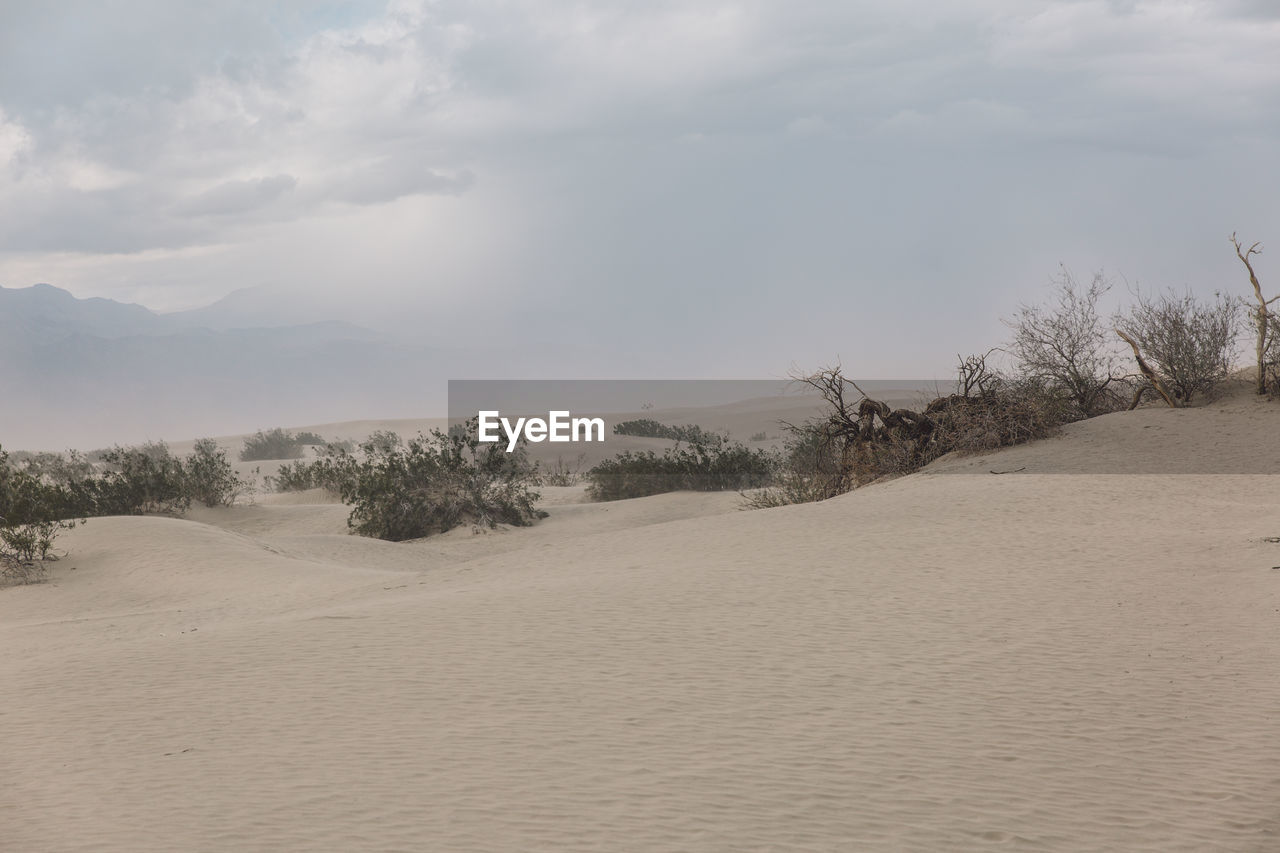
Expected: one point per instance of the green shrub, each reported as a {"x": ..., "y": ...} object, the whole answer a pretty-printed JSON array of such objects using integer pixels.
[
  {"x": 706, "y": 463},
  {"x": 30, "y": 542},
  {"x": 648, "y": 428},
  {"x": 437, "y": 482},
  {"x": 140, "y": 480},
  {"x": 56, "y": 467},
  {"x": 30, "y": 520},
  {"x": 811, "y": 468},
  {"x": 210, "y": 478},
  {"x": 275, "y": 444},
  {"x": 50, "y": 492},
  {"x": 384, "y": 441},
  {"x": 334, "y": 469}
]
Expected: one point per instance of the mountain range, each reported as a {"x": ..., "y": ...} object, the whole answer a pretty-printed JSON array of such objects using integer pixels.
[{"x": 90, "y": 372}]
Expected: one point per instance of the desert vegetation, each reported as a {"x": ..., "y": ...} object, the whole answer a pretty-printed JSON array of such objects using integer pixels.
[
  {"x": 277, "y": 444},
  {"x": 649, "y": 428},
  {"x": 400, "y": 489},
  {"x": 563, "y": 473},
  {"x": 705, "y": 462},
  {"x": 1184, "y": 347},
  {"x": 1064, "y": 361},
  {"x": 332, "y": 469},
  {"x": 47, "y": 493},
  {"x": 1265, "y": 322},
  {"x": 436, "y": 482},
  {"x": 859, "y": 440},
  {"x": 1064, "y": 366},
  {"x": 32, "y": 513},
  {"x": 1064, "y": 346}
]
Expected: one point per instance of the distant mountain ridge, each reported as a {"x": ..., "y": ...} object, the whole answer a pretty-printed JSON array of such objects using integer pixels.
[
  {"x": 251, "y": 308},
  {"x": 93, "y": 371},
  {"x": 45, "y": 310}
]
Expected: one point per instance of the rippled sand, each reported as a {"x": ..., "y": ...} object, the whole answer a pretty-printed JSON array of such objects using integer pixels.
[{"x": 950, "y": 661}]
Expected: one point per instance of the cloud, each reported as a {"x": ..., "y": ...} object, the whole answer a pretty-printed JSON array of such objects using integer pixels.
[
  {"x": 389, "y": 179},
  {"x": 710, "y": 155},
  {"x": 234, "y": 197},
  {"x": 808, "y": 126},
  {"x": 15, "y": 140}
]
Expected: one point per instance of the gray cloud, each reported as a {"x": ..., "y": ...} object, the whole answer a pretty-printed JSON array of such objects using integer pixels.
[
  {"x": 690, "y": 166},
  {"x": 388, "y": 179},
  {"x": 233, "y": 197}
]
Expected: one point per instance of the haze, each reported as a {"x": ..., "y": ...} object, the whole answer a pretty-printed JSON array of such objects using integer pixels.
[{"x": 681, "y": 190}]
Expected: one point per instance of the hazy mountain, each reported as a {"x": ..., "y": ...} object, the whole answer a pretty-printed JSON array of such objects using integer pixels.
[
  {"x": 253, "y": 308},
  {"x": 45, "y": 312},
  {"x": 78, "y": 372}
]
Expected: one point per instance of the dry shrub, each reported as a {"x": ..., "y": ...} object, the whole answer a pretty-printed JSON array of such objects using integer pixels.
[
  {"x": 562, "y": 473},
  {"x": 1065, "y": 347},
  {"x": 1189, "y": 345},
  {"x": 1010, "y": 411},
  {"x": 861, "y": 440},
  {"x": 1269, "y": 365}
]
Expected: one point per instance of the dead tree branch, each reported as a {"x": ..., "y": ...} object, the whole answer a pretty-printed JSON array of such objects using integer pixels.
[
  {"x": 1262, "y": 317},
  {"x": 1148, "y": 373}
]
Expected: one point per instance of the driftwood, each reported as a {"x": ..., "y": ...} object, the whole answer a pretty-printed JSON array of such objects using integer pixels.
[{"x": 1148, "y": 373}]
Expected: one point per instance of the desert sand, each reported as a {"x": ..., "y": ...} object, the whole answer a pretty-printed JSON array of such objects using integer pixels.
[{"x": 1080, "y": 654}]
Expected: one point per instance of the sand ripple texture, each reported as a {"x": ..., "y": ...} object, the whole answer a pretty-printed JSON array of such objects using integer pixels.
[{"x": 1039, "y": 663}]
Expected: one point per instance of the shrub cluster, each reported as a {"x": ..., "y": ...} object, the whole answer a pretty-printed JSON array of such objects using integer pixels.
[
  {"x": 48, "y": 492},
  {"x": 1188, "y": 345},
  {"x": 31, "y": 516},
  {"x": 277, "y": 444},
  {"x": 1065, "y": 346},
  {"x": 649, "y": 428},
  {"x": 706, "y": 463},
  {"x": 562, "y": 473},
  {"x": 149, "y": 478},
  {"x": 861, "y": 441},
  {"x": 1066, "y": 367},
  {"x": 210, "y": 479},
  {"x": 333, "y": 469},
  {"x": 433, "y": 483},
  {"x": 402, "y": 490}
]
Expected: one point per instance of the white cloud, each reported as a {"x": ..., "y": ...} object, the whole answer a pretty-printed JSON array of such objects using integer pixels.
[
  {"x": 239, "y": 196},
  {"x": 88, "y": 176},
  {"x": 15, "y": 140}
]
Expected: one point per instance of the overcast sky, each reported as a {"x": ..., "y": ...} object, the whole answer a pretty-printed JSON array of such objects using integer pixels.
[{"x": 729, "y": 186}]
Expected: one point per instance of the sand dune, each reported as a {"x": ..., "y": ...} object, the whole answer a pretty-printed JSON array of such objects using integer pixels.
[{"x": 1058, "y": 660}]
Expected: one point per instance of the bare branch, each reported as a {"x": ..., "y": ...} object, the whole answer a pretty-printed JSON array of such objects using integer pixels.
[
  {"x": 1264, "y": 321},
  {"x": 1148, "y": 373}
]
